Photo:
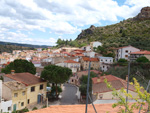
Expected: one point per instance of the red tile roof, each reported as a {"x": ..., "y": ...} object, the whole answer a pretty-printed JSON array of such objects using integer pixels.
[
  {"x": 70, "y": 61},
  {"x": 90, "y": 59},
  {"x": 101, "y": 108},
  {"x": 125, "y": 47},
  {"x": 100, "y": 86},
  {"x": 141, "y": 52},
  {"x": 25, "y": 78}
]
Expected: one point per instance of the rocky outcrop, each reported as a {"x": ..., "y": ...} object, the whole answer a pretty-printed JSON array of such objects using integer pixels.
[
  {"x": 144, "y": 14},
  {"x": 86, "y": 31}
]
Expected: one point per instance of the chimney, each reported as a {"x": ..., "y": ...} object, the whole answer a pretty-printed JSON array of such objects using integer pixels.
[
  {"x": 12, "y": 72},
  {"x": 126, "y": 78},
  {"x": 98, "y": 79}
]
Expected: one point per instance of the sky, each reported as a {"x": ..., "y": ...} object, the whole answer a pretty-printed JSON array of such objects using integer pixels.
[{"x": 42, "y": 22}]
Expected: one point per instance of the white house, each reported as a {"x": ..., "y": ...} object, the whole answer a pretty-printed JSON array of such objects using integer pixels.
[
  {"x": 5, "y": 105},
  {"x": 124, "y": 52},
  {"x": 105, "y": 63},
  {"x": 86, "y": 48},
  {"x": 90, "y": 54},
  {"x": 95, "y": 44}
]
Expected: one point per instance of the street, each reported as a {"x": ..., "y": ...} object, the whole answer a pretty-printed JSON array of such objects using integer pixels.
[{"x": 69, "y": 95}]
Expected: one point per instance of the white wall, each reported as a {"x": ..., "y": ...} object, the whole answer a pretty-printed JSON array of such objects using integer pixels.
[
  {"x": 96, "y": 44},
  {"x": 5, "y": 105},
  {"x": 107, "y": 60},
  {"x": 125, "y": 52}
]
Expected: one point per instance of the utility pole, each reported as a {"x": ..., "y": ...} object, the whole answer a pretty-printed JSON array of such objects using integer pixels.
[
  {"x": 128, "y": 83},
  {"x": 87, "y": 93}
]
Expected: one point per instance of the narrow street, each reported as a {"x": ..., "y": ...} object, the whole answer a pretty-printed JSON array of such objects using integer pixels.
[{"x": 69, "y": 95}]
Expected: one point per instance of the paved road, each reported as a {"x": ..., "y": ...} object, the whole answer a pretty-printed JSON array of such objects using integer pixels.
[{"x": 69, "y": 95}]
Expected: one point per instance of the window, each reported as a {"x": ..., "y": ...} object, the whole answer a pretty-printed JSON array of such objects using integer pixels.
[
  {"x": 23, "y": 93},
  {"x": 126, "y": 55},
  {"x": 9, "y": 108},
  {"x": 28, "y": 101},
  {"x": 101, "y": 60},
  {"x": 126, "y": 51},
  {"x": 15, "y": 94},
  {"x": 106, "y": 60},
  {"x": 32, "y": 88},
  {"x": 22, "y": 103},
  {"x": 100, "y": 96},
  {"x": 41, "y": 86},
  {"x": 72, "y": 80}
]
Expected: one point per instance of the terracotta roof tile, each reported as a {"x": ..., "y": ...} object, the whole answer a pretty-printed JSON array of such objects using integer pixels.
[
  {"x": 70, "y": 61},
  {"x": 90, "y": 59},
  {"x": 141, "y": 52},
  {"x": 101, "y": 108},
  {"x": 25, "y": 78},
  {"x": 100, "y": 86}
]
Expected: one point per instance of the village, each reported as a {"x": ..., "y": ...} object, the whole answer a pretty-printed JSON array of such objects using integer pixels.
[{"x": 25, "y": 90}]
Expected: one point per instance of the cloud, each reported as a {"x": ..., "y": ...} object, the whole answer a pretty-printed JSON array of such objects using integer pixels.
[{"x": 59, "y": 17}]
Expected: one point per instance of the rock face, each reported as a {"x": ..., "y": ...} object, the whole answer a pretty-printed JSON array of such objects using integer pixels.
[
  {"x": 86, "y": 31},
  {"x": 144, "y": 14}
]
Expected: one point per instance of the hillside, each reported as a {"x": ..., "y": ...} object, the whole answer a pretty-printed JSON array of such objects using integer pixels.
[
  {"x": 24, "y": 45},
  {"x": 10, "y": 48},
  {"x": 134, "y": 31}
]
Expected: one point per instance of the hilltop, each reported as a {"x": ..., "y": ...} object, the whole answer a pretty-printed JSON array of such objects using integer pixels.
[
  {"x": 133, "y": 31},
  {"x": 9, "y": 47}
]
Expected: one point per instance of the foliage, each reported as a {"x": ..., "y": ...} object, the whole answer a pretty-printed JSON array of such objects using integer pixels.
[
  {"x": 53, "y": 90},
  {"x": 20, "y": 66},
  {"x": 127, "y": 32},
  {"x": 142, "y": 59},
  {"x": 56, "y": 74},
  {"x": 44, "y": 106},
  {"x": 35, "y": 108},
  {"x": 122, "y": 94},
  {"x": 9, "y": 48},
  {"x": 122, "y": 60},
  {"x": 83, "y": 82},
  {"x": 21, "y": 111},
  {"x": 138, "y": 70},
  {"x": 1, "y": 78}
]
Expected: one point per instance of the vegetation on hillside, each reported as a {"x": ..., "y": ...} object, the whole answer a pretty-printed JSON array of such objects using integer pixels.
[
  {"x": 127, "y": 32},
  {"x": 9, "y": 48}
]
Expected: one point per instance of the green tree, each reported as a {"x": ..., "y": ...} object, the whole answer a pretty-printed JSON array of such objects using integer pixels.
[
  {"x": 142, "y": 94},
  {"x": 142, "y": 59},
  {"x": 56, "y": 74},
  {"x": 83, "y": 82},
  {"x": 20, "y": 66},
  {"x": 122, "y": 60}
]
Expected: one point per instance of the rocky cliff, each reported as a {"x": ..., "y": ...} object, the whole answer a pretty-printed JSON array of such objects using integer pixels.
[
  {"x": 134, "y": 31},
  {"x": 144, "y": 14}
]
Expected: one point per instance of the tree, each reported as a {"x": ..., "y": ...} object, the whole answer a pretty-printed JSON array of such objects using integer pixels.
[
  {"x": 20, "y": 66},
  {"x": 56, "y": 74},
  {"x": 142, "y": 59},
  {"x": 83, "y": 82},
  {"x": 142, "y": 97},
  {"x": 122, "y": 60}
]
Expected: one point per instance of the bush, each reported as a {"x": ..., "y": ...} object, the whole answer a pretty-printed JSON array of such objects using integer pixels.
[
  {"x": 142, "y": 59},
  {"x": 35, "y": 108},
  {"x": 122, "y": 60}
]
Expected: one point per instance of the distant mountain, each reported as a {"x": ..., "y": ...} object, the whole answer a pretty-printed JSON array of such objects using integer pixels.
[
  {"x": 24, "y": 45},
  {"x": 9, "y": 47},
  {"x": 133, "y": 31}
]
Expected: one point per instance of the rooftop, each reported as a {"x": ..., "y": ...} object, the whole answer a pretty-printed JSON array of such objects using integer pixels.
[
  {"x": 70, "y": 61},
  {"x": 141, "y": 52},
  {"x": 25, "y": 78},
  {"x": 100, "y": 86},
  {"x": 90, "y": 59},
  {"x": 14, "y": 85},
  {"x": 101, "y": 108}
]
